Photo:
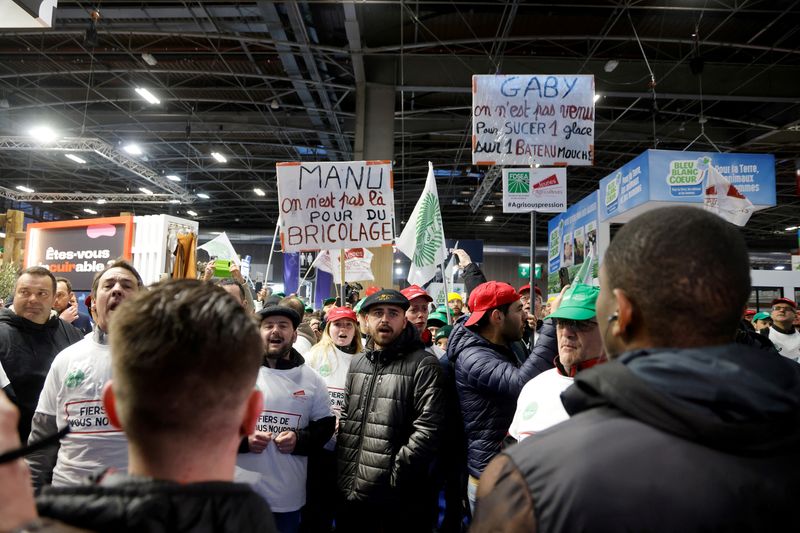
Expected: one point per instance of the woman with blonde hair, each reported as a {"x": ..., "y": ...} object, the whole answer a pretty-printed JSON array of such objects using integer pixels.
[{"x": 330, "y": 357}]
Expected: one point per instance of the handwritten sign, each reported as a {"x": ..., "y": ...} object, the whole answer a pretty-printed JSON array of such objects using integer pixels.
[
  {"x": 525, "y": 119},
  {"x": 335, "y": 205}
]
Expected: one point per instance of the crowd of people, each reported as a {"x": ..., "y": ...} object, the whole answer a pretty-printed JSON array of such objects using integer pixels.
[{"x": 655, "y": 401}]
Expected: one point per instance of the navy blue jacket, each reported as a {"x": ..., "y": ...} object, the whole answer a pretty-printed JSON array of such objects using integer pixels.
[{"x": 489, "y": 379}]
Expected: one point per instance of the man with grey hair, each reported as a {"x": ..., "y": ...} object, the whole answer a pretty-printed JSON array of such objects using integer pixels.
[{"x": 31, "y": 334}]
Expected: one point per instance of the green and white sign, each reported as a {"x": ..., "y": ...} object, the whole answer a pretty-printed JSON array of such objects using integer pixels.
[{"x": 543, "y": 190}]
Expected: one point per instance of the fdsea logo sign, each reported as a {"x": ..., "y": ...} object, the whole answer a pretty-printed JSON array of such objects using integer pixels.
[{"x": 543, "y": 190}]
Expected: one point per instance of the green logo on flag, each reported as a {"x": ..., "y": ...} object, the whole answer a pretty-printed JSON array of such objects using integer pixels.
[
  {"x": 429, "y": 231},
  {"x": 519, "y": 182},
  {"x": 74, "y": 379}
]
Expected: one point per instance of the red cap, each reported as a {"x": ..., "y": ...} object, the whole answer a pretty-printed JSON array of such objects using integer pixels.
[
  {"x": 88, "y": 301},
  {"x": 371, "y": 290},
  {"x": 786, "y": 301},
  {"x": 527, "y": 288},
  {"x": 750, "y": 312},
  {"x": 415, "y": 291},
  {"x": 488, "y": 296},
  {"x": 338, "y": 313}
]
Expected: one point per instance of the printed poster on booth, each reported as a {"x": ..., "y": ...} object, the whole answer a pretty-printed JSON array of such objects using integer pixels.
[{"x": 571, "y": 236}]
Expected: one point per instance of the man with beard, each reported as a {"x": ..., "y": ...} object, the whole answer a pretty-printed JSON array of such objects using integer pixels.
[
  {"x": 73, "y": 395},
  {"x": 296, "y": 420},
  {"x": 391, "y": 425},
  {"x": 31, "y": 334},
  {"x": 683, "y": 429},
  {"x": 488, "y": 374}
]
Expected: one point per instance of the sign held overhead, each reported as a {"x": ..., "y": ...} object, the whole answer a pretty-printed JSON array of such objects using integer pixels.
[{"x": 543, "y": 190}]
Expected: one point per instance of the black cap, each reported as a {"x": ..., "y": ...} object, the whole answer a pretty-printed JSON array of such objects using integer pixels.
[
  {"x": 385, "y": 297},
  {"x": 280, "y": 310}
]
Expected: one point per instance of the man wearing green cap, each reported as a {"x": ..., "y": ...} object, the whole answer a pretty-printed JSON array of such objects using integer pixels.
[
  {"x": 762, "y": 321},
  {"x": 579, "y": 347}
]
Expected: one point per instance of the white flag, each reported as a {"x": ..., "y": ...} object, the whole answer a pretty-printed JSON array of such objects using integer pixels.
[
  {"x": 725, "y": 200},
  {"x": 422, "y": 239},
  {"x": 357, "y": 264},
  {"x": 221, "y": 248}
]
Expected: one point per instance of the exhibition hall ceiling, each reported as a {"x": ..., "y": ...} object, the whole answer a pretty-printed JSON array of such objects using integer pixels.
[{"x": 264, "y": 82}]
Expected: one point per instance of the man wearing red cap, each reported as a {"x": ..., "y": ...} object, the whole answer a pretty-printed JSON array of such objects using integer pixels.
[
  {"x": 488, "y": 374},
  {"x": 417, "y": 314},
  {"x": 782, "y": 332}
]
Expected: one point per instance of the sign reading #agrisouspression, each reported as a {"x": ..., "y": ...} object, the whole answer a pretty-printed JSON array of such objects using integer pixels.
[
  {"x": 534, "y": 118},
  {"x": 335, "y": 205}
]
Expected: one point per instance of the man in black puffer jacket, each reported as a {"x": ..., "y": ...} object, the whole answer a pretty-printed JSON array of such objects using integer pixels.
[{"x": 391, "y": 425}]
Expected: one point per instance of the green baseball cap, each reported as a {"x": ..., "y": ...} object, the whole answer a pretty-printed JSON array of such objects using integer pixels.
[
  {"x": 578, "y": 303},
  {"x": 760, "y": 316},
  {"x": 442, "y": 309},
  {"x": 357, "y": 308},
  {"x": 329, "y": 301},
  {"x": 437, "y": 317},
  {"x": 443, "y": 333},
  {"x": 309, "y": 309}
]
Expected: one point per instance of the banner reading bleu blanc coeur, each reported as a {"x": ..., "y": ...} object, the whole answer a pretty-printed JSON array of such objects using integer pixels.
[
  {"x": 335, "y": 205},
  {"x": 668, "y": 177},
  {"x": 571, "y": 235},
  {"x": 536, "y": 118}
]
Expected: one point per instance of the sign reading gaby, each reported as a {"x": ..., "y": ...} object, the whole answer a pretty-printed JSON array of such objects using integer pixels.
[
  {"x": 524, "y": 119},
  {"x": 335, "y": 205},
  {"x": 543, "y": 190}
]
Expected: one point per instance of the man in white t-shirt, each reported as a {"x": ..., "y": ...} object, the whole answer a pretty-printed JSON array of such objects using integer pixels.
[
  {"x": 296, "y": 419},
  {"x": 73, "y": 395},
  {"x": 579, "y": 347},
  {"x": 782, "y": 332}
]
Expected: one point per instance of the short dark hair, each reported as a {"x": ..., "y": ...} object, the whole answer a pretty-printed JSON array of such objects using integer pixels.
[
  {"x": 678, "y": 263},
  {"x": 39, "y": 271},
  {"x": 483, "y": 321},
  {"x": 65, "y": 281},
  {"x": 294, "y": 302},
  {"x": 117, "y": 263},
  {"x": 184, "y": 355},
  {"x": 230, "y": 281}
]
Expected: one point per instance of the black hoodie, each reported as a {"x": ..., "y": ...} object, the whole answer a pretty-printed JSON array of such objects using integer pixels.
[
  {"x": 26, "y": 351},
  {"x": 699, "y": 439}
]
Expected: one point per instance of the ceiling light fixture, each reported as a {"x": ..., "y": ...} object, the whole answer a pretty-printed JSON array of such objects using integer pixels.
[
  {"x": 203, "y": 195},
  {"x": 44, "y": 134},
  {"x": 780, "y": 267},
  {"x": 792, "y": 228},
  {"x": 147, "y": 95},
  {"x": 145, "y": 190},
  {"x": 596, "y": 98},
  {"x": 47, "y": 201},
  {"x": 274, "y": 104},
  {"x": 101, "y": 201},
  {"x": 398, "y": 271},
  {"x": 24, "y": 189},
  {"x": 489, "y": 218},
  {"x": 75, "y": 158},
  {"x": 259, "y": 192},
  {"x": 191, "y": 213},
  {"x": 174, "y": 201},
  {"x": 219, "y": 157},
  {"x": 173, "y": 177},
  {"x": 149, "y": 59},
  {"x": 133, "y": 149},
  {"x": 90, "y": 211},
  {"x": 611, "y": 65}
]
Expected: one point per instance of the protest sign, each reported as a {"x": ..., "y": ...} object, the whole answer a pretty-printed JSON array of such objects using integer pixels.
[
  {"x": 357, "y": 264},
  {"x": 543, "y": 190},
  {"x": 524, "y": 119},
  {"x": 335, "y": 205}
]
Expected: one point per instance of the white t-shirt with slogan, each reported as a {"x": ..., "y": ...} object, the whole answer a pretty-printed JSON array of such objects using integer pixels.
[
  {"x": 292, "y": 398},
  {"x": 539, "y": 404},
  {"x": 73, "y": 393},
  {"x": 332, "y": 364}
]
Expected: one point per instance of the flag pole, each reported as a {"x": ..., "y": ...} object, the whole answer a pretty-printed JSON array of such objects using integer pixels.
[
  {"x": 341, "y": 264},
  {"x": 272, "y": 249},
  {"x": 532, "y": 274},
  {"x": 447, "y": 287}
]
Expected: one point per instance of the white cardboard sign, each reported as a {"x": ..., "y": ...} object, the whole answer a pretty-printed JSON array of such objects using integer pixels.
[{"x": 543, "y": 190}]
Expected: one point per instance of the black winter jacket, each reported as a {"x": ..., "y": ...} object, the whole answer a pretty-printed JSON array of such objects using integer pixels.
[
  {"x": 701, "y": 439},
  {"x": 489, "y": 379},
  {"x": 392, "y": 422},
  {"x": 122, "y": 503},
  {"x": 27, "y": 350}
]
